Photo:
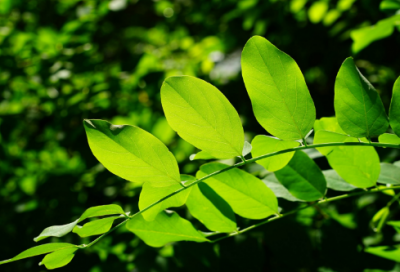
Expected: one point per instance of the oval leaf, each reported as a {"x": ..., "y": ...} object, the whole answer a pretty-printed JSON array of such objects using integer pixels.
[
  {"x": 131, "y": 153},
  {"x": 166, "y": 228},
  {"x": 56, "y": 231},
  {"x": 394, "y": 111},
  {"x": 357, "y": 165},
  {"x": 264, "y": 145},
  {"x": 279, "y": 190},
  {"x": 388, "y": 138},
  {"x": 359, "y": 109},
  {"x": 202, "y": 116},
  {"x": 247, "y": 195},
  {"x": 211, "y": 209},
  {"x": 281, "y": 101},
  {"x": 96, "y": 227},
  {"x": 59, "y": 258},
  {"x": 303, "y": 178}
]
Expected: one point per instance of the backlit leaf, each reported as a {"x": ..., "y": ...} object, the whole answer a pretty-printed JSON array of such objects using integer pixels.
[
  {"x": 394, "y": 111},
  {"x": 132, "y": 153},
  {"x": 303, "y": 178},
  {"x": 59, "y": 258},
  {"x": 56, "y": 231},
  {"x": 388, "y": 138},
  {"x": 247, "y": 195},
  {"x": 165, "y": 228},
  {"x": 265, "y": 145},
  {"x": 281, "y": 101},
  {"x": 96, "y": 227},
  {"x": 202, "y": 116},
  {"x": 359, "y": 109},
  {"x": 387, "y": 252}
]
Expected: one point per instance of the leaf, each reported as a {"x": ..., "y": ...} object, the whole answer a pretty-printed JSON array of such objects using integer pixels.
[
  {"x": 357, "y": 165},
  {"x": 281, "y": 101},
  {"x": 202, "y": 116},
  {"x": 264, "y": 145},
  {"x": 335, "y": 182},
  {"x": 151, "y": 194},
  {"x": 247, "y": 195},
  {"x": 395, "y": 225},
  {"x": 328, "y": 123},
  {"x": 359, "y": 109},
  {"x": 166, "y": 228},
  {"x": 386, "y": 5},
  {"x": 388, "y": 138},
  {"x": 279, "y": 190},
  {"x": 246, "y": 148},
  {"x": 59, "y": 258},
  {"x": 394, "y": 110},
  {"x": 303, "y": 178},
  {"x": 59, "y": 231},
  {"x": 387, "y": 252},
  {"x": 132, "y": 153},
  {"x": 379, "y": 219},
  {"x": 202, "y": 155},
  {"x": 211, "y": 209},
  {"x": 96, "y": 227},
  {"x": 390, "y": 174},
  {"x": 56, "y": 231},
  {"x": 39, "y": 250}
]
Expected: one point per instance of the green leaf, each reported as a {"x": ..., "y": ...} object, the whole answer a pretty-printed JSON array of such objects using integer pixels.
[
  {"x": 211, "y": 209},
  {"x": 390, "y": 174},
  {"x": 101, "y": 211},
  {"x": 388, "y": 138},
  {"x": 357, "y": 165},
  {"x": 281, "y": 101},
  {"x": 132, "y": 153},
  {"x": 59, "y": 231},
  {"x": 279, "y": 190},
  {"x": 151, "y": 194},
  {"x": 202, "y": 155},
  {"x": 56, "y": 231},
  {"x": 359, "y": 109},
  {"x": 335, "y": 182},
  {"x": 96, "y": 227},
  {"x": 379, "y": 219},
  {"x": 246, "y": 148},
  {"x": 202, "y": 116},
  {"x": 265, "y": 145},
  {"x": 329, "y": 124},
  {"x": 247, "y": 195},
  {"x": 303, "y": 178},
  {"x": 59, "y": 258},
  {"x": 166, "y": 228},
  {"x": 39, "y": 250},
  {"x": 394, "y": 110},
  {"x": 386, "y": 5},
  {"x": 387, "y": 252},
  {"x": 395, "y": 225}
]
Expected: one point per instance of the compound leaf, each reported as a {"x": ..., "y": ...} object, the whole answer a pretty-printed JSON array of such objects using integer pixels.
[
  {"x": 335, "y": 182},
  {"x": 303, "y": 178},
  {"x": 59, "y": 258},
  {"x": 151, "y": 194},
  {"x": 359, "y": 109},
  {"x": 131, "y": 153},
  {"x": 264, "y": 145},
  {"x": 96, "y": 227},
  {"x": 165, "y": 228},
  {"x": 394, "y": 110},
  {"x": 357, "y": 165},
  {"x": 39, "y": 250},
  {"x": 247, "y": 195},
  {"x": 388, "y": 138},
  {"x": 211, "y": 209},
  {"x": 281, "y": 101},
  {"x": 202, "y": 116}
]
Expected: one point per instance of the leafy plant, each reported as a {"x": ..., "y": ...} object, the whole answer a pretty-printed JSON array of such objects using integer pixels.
[{"x": 202, "y": 116}]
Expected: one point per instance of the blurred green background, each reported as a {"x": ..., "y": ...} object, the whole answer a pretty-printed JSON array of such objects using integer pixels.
[{"x": 65, "y": 60}]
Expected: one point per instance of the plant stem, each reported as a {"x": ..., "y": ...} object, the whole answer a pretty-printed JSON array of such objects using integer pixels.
[
  {"x": 375, "y": 190},
  {"x": 254, "y": 160}
]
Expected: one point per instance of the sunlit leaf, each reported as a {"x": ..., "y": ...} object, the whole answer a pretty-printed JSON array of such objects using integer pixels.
[
  {"x": 394, "y": 111},
  {"x": 96, "y": 227},
  {"x": 202, "y": 155},
  {"x": 387, "y": 252},
  {"x": 202, "y": 116},
  {"x": 246, "y": 148},
  {"x": 165, "y": 228},
  {"x": 388, "y": 138},
  {"x": 281, "y": 101},
  {"x": 59, "y": 258},
  {"x": 379, "y": 219},
  {"x": 247, "y": 195},
  {"x": 132, "y": 153},
  {"x": 265, "y": 145},
  {"x": 56, "y": 231},
  {"x": 359, "y": 109},
  {"x": 303, "y": 178},
  {"x": 101, "y": 211},
  {"x": 211, "y": 209}
]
